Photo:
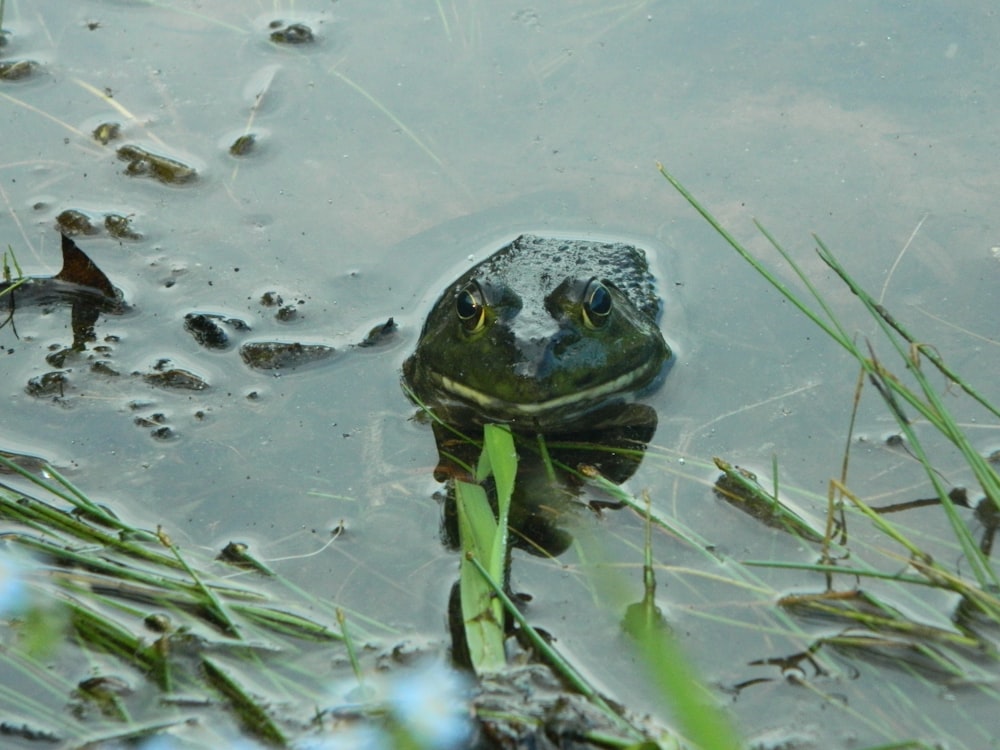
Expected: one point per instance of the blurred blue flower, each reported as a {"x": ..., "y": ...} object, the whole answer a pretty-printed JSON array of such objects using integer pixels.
[
  {"x": 160, "y": 742},
  {"x": 13, "y": 590},
  {"x": 351, "y": 738},
  {"x": 169, "y": 742},
  {"x": 431, "y": 707},
  {"x": 348, "y": 692}
]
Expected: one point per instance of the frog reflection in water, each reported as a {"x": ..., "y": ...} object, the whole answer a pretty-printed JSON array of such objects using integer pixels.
[{"x": 553, "y": 337}]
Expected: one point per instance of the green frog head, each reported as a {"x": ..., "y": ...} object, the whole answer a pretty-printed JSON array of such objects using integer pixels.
[{"x": 541, "y": 334}]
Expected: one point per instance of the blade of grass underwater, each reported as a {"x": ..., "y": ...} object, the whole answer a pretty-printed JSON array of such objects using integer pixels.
[
  {"x": 352, "y": 654},
  {"x": 7, "y": 275},
  {"x": 444, "y": 20},
  {"x": 42, "y": 113},
  {"x": 254, "y": 716},
  {"x": 30, "y": 710},
  {"x": 878, "y": 309},
  {"x": 134, "y": 733},
  {"x": 390, "y": 115}
]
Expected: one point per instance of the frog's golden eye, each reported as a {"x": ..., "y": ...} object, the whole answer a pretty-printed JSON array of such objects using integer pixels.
[
  {"x": 596, "y": 304},
  {"x": 471, "y": 308}
]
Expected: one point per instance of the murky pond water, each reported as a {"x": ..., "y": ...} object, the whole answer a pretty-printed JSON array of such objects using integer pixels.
[{"x": 406, "y": 139}]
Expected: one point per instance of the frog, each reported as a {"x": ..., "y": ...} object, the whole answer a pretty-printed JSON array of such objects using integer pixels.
[{"x": 546, "y": 334}]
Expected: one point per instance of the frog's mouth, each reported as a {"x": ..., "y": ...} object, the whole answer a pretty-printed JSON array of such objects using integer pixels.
[{"x": 566, "y": 405}]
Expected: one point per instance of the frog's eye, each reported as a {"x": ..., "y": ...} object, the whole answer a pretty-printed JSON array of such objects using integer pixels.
[
  {"x": 471, "y": 308},
  {"x": 596, "y": 304}
]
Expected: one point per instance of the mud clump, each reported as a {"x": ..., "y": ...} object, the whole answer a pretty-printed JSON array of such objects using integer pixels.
[
  {"x": 143, "y": 163},
  {"x": 209, "y": 330},
  {"x": 175, "y": 378},
  {"x": 243, "y": 145},
  {"x": 72, "y": 222},
  {"x": 16, "y": 70},
  {"x": 50, "y": 384},
  {"x": 277, "y": 355},
  {"x": 107, "y": 132},
  {"x": 293, "y": 33}
]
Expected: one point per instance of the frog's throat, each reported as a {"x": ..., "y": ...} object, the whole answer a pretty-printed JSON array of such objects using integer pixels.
[{"x": 587, "y": 397}]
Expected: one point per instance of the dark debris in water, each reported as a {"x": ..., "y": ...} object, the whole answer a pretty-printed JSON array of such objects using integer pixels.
[
  {"x": 103, "y": 367},
  {"x": 380, "y": 334},
  {"x": 107, "y": 132},
  {"x": 28, "y": 462},
  {"x": 50, "y": 384},
  {"x": 286, "y": 313},
  {"x": 277, "y": 355},
  {"x": 73, "y": 222},
  {"x": 157, "y": 425},
  {"x": 293, "y": 33},
  {"x": 739, "y": 487},
  {"x": 527, "y": 707},
  {"x": 209, "y": 329},
  {"x": 143, "y": 163},
  {"x": 164, "y": 376},
  {"x": 59, "y": 354},
  {"x": 120, "y": 227},
  {"x": 156, "y": 422},
  {"x": 157, "y": 418},
  {"x": 243, "y": 145},
  {"x": 238, "y": 555},
  {"x": 25, "y": 731},
  {"x": 16, "y": 70}
]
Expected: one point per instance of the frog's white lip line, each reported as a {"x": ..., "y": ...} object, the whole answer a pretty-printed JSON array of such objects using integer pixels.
[{"x": 533, "y": 409}]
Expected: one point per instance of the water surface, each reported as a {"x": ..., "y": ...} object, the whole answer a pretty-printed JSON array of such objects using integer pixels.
[{"x": 411, "y": 138}]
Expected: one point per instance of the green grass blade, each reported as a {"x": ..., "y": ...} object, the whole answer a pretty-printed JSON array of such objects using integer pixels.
[
  {"x": 926, "y": 402},
  {"x": 483, "y": 620},
  {"x": 498, "y": 446},
  {"x": 749, "y": 258}
]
